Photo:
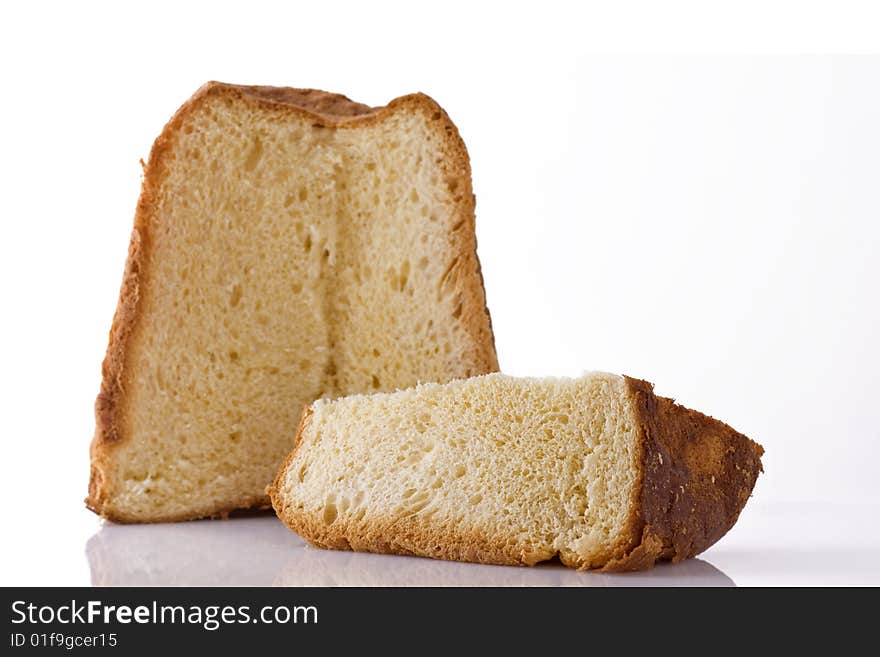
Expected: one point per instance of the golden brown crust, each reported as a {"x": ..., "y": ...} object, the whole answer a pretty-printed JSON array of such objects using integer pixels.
[
  {"x": 320, "y": 102},
  {"x": 410, "y": 537},
  {"x": 216, "y": 513},
  {"x": 272, "y": 491},
  {"x": 697, "y": 475},
  {"x": 475, "y": 315},
  {"x": 329, "y": 110}
]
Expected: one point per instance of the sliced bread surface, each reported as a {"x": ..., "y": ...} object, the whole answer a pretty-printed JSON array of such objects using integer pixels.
[
  {"x": 288, "y": 245},
  {"x": 597, "y": 471}
]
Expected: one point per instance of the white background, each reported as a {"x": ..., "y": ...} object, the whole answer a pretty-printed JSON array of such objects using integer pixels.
[{"x": 710, "y": 222}]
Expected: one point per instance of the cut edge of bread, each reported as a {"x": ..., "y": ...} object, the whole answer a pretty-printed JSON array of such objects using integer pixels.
[
  {"x": 325, "y": 109},
  {"x": 695, "y": 475}
]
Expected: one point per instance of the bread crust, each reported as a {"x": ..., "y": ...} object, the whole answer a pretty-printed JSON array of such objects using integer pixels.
[
  {"x": 695, "y": 476},
  {"x": 324, "y": 109}
]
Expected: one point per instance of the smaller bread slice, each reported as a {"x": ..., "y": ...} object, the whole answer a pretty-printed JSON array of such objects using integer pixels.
[{"x": 597, "y": 471}]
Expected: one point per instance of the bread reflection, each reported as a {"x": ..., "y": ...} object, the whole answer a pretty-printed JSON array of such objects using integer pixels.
[
  {"x": 315, "y": 567},
  {"x": 244, "y": 551}
]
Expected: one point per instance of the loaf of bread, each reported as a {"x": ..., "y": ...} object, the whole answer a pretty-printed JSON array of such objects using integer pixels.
[
  {"x": 288, "y": 245},
  {"x": 596, "y": 471}
]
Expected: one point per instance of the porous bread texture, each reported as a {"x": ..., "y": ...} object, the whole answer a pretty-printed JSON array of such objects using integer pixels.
[
  {"x": 496, "y": 469},
  {"x": 287, "y": 245},
  {"x": 525, "y": 468}
]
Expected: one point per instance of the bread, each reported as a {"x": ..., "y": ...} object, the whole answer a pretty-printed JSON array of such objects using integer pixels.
[
  {"x": 596, "y": 471},
  {"x": 288, "y": 245}
]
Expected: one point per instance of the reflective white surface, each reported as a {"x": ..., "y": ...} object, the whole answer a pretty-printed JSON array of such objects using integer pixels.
[{"x": 776, "y": 545}]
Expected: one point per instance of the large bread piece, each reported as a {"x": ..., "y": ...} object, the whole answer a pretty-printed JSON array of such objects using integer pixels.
[
  {"x": 597, "y": 471},
  {"x": 287, "y": 245}
]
